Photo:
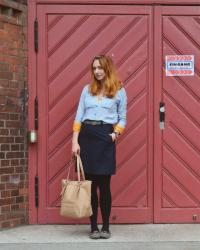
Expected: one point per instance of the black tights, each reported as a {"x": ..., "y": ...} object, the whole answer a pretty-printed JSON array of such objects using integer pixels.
[{"x": 103, "y": 183}]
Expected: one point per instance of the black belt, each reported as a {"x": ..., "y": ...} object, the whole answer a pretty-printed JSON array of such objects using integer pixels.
[{"x": 92, "y": 122}]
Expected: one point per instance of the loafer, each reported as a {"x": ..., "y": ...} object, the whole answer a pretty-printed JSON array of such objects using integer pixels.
[
  {"x": 94, "y": 235},
  {"x": 105, "y": 234}
]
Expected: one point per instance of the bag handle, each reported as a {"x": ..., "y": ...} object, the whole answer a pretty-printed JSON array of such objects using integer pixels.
[
  {"x": 80, "y": 164},
  {"x": 79, "y": 168}
]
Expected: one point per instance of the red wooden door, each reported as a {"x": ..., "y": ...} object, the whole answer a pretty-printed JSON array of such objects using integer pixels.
[
  {"x": 69, "y": 36},
  {"x": 177, "y": 147}
]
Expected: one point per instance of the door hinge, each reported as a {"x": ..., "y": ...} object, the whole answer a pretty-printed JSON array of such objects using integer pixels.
[
  {"x": 36, "y": 35},
  {"x": 36, "y": 113},
  {"x": 36, "y": 191}
]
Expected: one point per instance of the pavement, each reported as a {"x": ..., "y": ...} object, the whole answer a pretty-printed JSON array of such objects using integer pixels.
[{"x": 124, "y": 237}]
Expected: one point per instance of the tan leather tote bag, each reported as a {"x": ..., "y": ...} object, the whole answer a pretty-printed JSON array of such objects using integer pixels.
[{"x": 76, "y": 195}]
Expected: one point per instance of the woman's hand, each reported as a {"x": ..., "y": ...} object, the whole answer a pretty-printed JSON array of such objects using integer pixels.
[
  {"x": 75, "y": 145},
  {"x": 75, "y": 148},
  {"x": 114, "y": 136}
]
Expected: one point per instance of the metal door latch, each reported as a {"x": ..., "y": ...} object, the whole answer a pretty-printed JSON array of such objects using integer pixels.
[
  {"x": 32, "y": 136},
  {"x": 162, "y": 115}
]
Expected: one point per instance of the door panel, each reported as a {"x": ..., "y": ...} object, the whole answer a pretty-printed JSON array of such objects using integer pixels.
[
  {"x": 177, "y": 176},
  {"x": 69, "y": 37}
]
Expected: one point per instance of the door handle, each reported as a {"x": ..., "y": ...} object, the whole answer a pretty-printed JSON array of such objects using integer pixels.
[{"x": 162, "y": 115}]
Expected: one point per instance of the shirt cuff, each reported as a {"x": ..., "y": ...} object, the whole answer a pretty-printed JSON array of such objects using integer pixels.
[
  {"x": 76, "y": 127},
  {"x": 118, "y": 129}
]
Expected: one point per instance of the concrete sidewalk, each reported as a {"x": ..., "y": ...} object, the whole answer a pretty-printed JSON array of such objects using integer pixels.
[{"x": 133, "y": 237}]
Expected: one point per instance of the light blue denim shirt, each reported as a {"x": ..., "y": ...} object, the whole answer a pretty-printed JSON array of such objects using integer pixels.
[{"x": 109, "y": 110}]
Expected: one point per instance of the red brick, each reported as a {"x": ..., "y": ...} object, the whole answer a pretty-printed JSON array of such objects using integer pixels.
[
  {"x": 18, "y": 77},
  {"x": 13, "y": 215},
  {"x": 11, "y": 60},
  {"x": 1, "y": 124},
  {"x": 5, "y": 194},
  {"x": 5, "y": 147},
  {"x": 13, "y": 52},
  {"x": 6, "y": 75},
  {"x": 14, "y": 131},
  {"x": 10, "y": 107},
  {"x": 2, "y": 217},
  {"x": 7, "y": 201},
  {"x": 14, "y": 117},
  {"x": 4, "y": 131},
  {"x": 6, "y": 139},
  {"x": 23, "y": 205},
  {"x": 14, "y": 192},
  {"x": 2, "y": 155},
  {"x": 5, "y": 163},
  {"x": 22, "y": 177},
  {"x": 22, "y": 131},
  {"x": 19, "y": 169},
  {"x": 2, "y": 100},
  {"x": 13, "y": 29},
  {"x": 4, "y": 83},
  {"x": 10, "y": 155},
  {"x": 4, "y": 116},
  {"x": 15, "y": 207},
  {"x": 23, "y": 191},
  {"x": 22, "y": 147},
  {"x": 15, "y": 147},
  {"x": 19, "y": 199},
  {"x": 2, "y": 186},
  {"x": 17, "y": 44},
  {"x": 13, "y": 124},
  {"x": 4, "y": 67},
  {"x": 5, "y": 224},
  {"x": 15, "y": 162},
  {"x": 7, "y": 170},
  {"x": 9, "y": 92},
  {"x": 1, "y": 25},
  {"x": 6, "y": 208},
  {"x": 25, "y": 184},
  {"x": 5, "y": 178},
  {"x": 12, "y": 185},
  {"x": 14, "y": 84},
  {"x": 23, "y": 161},
  {"x": 3, "y": 34},
  {"x": 19, "y": 139}
]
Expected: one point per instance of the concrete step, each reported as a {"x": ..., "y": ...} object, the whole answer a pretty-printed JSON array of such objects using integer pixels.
[
  {"x": 124, "y": 237},
  {"x": 103, "y": 246}
]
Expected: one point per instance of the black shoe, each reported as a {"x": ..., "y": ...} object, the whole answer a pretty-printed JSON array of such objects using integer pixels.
[{"x": 105, "y": 234}]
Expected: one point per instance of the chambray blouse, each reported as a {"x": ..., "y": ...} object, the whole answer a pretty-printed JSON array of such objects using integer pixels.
[{"x": 109, "y": 110}]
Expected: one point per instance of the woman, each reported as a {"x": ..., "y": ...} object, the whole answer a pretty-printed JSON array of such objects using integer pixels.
[{"x": 100, "y": 119}]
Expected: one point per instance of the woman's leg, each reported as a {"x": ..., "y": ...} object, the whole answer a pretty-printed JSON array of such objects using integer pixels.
[
  {"x": 94, "y": 201},
  {"x": 105, "y": 199}
]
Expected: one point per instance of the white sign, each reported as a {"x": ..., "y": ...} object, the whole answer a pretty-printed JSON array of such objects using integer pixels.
[{"x": 179, "y": 65}]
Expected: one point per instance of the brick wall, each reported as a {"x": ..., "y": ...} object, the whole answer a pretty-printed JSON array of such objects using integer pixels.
[{"x": 13, "y": 114}]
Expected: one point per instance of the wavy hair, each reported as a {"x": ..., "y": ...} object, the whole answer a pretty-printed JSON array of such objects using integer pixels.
[{"x": 112, "y": 83}]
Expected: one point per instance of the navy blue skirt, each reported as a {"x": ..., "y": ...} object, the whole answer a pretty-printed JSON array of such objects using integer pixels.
[{"x": 97, "y": 150}]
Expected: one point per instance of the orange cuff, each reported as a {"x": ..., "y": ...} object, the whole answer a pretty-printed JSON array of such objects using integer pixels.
[
  {"x": 118, "y": 129},
  {"x": 76, "y": 126}
]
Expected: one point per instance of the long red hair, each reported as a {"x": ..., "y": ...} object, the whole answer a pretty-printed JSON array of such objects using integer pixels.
[{"x": 112, "y": 83}]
